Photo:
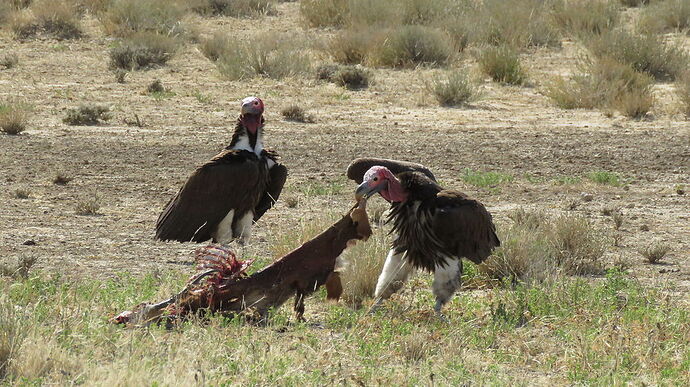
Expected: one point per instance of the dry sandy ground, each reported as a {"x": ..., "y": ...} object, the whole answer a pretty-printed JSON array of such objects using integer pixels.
[{"x": 134, "y": 171}]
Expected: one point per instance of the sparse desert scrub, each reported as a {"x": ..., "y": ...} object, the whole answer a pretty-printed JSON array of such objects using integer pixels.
[
  {"x": 644, "y": 53},
  {"x": 655, "y": 253},
  {"x": 683, "y": 92},
  {"x": 125, "y": 17},
  {"x": 234, "y": 8},
  {"x": 585, "y": 17},
  {"x": 453, "y": 88},
  {"x": 605, "y": 84},
  {"x": 270, "y": 55},
  {"x": 297, "y": 114},
  {"x": 143, "y": 50},
  {"x": 13, "y": 117},
  {"x": 502, "y": 64},
  {"x": 58, "y": 19},
  {"x": 87, "y": 115},
  {"x": 410, "y": 46},
  {"x": 666, "y": 16}
]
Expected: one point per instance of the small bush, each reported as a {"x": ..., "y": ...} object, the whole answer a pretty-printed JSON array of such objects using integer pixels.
[
  {"x": 666, "y": 16},
  {"x": 452, "y": 89},
  {"x": 125, "y": 17},
  {"x": 683, "y": 92},
  {"x": 216, "y": 46},
  {"x": 271, "y": 56},
  {"x": 120, "y": 75},
  {"x": 605, "y": 84},
  {"x": 409, "y": 46},
  {"x": 155, "y": 87},
  {"x": 502, "y": 64},
  {"x": 353, "y": 46},
  {"x": 297, "y": 114},
  {"x": 352, "y": 77},
  {"x": 143, "y": 50},
  {"x": 61, "y": 179},
  {"x": 88, "y": 206},
  {"x": 21, "y": 193},
  {"x": 325, "y": 72},
  {"x": 236, "y": 8},
  {"x": 644, "y": 53},
  {"x": 655, "y": 253},
  {"x": 13, "y": 118},
  {"x": 605, "y": 177},
  {"x": 9, "y": 61},
  {"x": 634, "y": 3},
  {"x": 58, "y": 19},
  {"x": 324, "y": 13},
  {"x": 87, "y": 115},
  {"x": 586, "y": 17}
]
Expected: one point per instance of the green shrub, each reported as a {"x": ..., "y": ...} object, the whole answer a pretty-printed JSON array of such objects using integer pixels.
[
  {"x": 125, "y": 17},
  {"x": 452, "y": 89},
  {"x": 502, "y": 64},
  {"x": 143, "y": 50},
  {"x": 87, "y": 115},
  {"x": 409, "y": 46},
  {"x": 644, "y": 53}
]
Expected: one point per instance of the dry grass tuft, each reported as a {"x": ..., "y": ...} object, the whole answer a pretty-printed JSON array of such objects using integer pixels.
[
  {"x": 297, "y": 114},
  {"x": 452, "y": 89},
  {"x": 410, "y": 46},
  {"x": 683, "y": 92},
  {"x": 655, "y": 253},
  {"x": 143, "y": 50},
  {"x": 352, "y": 77},
  {"x": 11, "y": 335},
  {"x": 415, "y": 348},
  {"x": 666, "y": 16},
  {"x": 87, "y": 115},
  {"x": 352, "y": 46},
  {"x": 58, "y": 19},
  {"x": 586, "y": 17},
  {"x": 269, "y": 55},
  {"x": 235, "y": 8},
  {"x": 634, "y": 3},
  {"x": 578, "y": 247},
  {"x": 324, "y": 13},
  {"x": 21, "y": 193},
  {"x": 605, "y": 84},
  {"x": 88, "y": 206},
  {"x": 125, "y": 17},
  {"x": 644, "y": 53},
  {"x": 13, "y": 118},
  {"x": 9, "y": 60},
  {"x": 61, "y": 179},
  {"x": 502, "y": 64},
  {"x": 155, "y": 87}
]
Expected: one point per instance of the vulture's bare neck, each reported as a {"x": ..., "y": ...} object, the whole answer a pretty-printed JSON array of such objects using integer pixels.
[{"x": 244, "y": 139}]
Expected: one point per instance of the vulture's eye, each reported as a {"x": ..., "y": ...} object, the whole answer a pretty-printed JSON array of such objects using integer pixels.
[
  {"x": 256, "y": 102},
  {"x": 376, "y": 178}
]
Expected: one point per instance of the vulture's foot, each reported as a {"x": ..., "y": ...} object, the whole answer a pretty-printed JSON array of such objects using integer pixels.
[
  {"x": 441, "y": 316},
  {"x": 375, "y": 306}
]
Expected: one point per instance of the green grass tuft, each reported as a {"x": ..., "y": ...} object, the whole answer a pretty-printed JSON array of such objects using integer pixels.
[
  {"x": 605, "y": 178},
  {"x": 485, "y": 179}
]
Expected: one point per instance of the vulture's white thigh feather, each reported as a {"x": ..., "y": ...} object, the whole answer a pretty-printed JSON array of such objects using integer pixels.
[
  {"x": 223, "y": 233},
  {"x": 446, "y": 281},
  {"x": 243, "y": 227},
  {"x": 393, "y": 275}
]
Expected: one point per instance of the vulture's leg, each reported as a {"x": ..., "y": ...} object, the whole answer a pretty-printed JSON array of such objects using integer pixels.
[
  {"x": 242, "y": 229},
  {"x": 223, "y": 232},
  {"x": 446, "y": 281},
  {"x": 299, "y": 306},
  {"x": 392, "y": 278}
]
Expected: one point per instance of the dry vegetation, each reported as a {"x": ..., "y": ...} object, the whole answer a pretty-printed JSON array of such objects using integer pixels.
[{"x": 582, "y": 166}]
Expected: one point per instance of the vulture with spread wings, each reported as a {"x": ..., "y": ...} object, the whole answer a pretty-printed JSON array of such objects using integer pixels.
[
  {"x": 433, "y": 228},
  {"x": 224, "y": 196}
]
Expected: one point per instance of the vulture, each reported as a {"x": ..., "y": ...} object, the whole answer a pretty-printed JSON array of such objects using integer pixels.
[
  {"x": 224, "y": 196},
  {"x": 432, "y": 227}
]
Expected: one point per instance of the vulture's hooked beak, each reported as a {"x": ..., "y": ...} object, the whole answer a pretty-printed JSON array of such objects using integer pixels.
[
  {"x": 365, "y": 191},
  {"x": 250, "y": 108}
]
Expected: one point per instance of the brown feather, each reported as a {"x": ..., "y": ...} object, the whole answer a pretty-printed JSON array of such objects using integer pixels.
[{"x": 360, "y": 166}]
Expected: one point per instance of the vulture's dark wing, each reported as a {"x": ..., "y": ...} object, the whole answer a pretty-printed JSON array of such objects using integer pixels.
[
  {"x": 464, "y": 226},
  {"x": 360, "y": 166},
  {"x": 276, "y": 179},
  {"x": 229, "y": 181}
]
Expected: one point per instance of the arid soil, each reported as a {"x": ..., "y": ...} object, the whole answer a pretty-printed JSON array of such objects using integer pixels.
[{"x": 133, "y": 171}]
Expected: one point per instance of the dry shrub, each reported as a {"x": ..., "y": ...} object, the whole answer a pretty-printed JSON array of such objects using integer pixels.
[
  {"x": 13, "y": 118},
  {"x": 606, "y": 84},
  {"x": 143, "y": 50},
  {"x": 58, "y": 19},
  {"x": 235, "y": 8},
  {"x": 644, "y": 53},
  {"x": 410, "y": 46},
  {"x": 21, "y": 193},
  {"x": 214, "y": 47},
  {"x": 125, "y": 17},
  {"x": 269, "y": 55},
  {"x": 502, "y": 64},
  {"x": 585, "y": 17},
  {"x": 683, "y": 92},
  {"x": 324, "y": 13},
  {"x": 297, "y": 114},
  {"x": 87, "y": 115},
  {"x": 655, "y": 253},
  {"x": 666, "y": 16},
  {"x": 415, "y": 347},
  {"x": 634, "y": 3},
  {"x": 12, "y": 334},
  {"x": 88, "y": 206},
  {"x": 38, "y": 358},
  {"x": 536, "y": 247},
  {"x": 452, "y": 89},
  {"x": 352, "y": 46},
  {"x": 9, "y": 60},
  {"x": 352, "y": 77}
]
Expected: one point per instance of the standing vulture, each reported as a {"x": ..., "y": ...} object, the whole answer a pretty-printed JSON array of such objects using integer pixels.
[
  {"x": 222, "y": 198},
  {"x": 433, "y": 228}
]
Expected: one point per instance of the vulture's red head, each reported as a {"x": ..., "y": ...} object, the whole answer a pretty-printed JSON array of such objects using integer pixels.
[
  {"x": 381, "y": 179},
  {"x": 252, "y": 111}
]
